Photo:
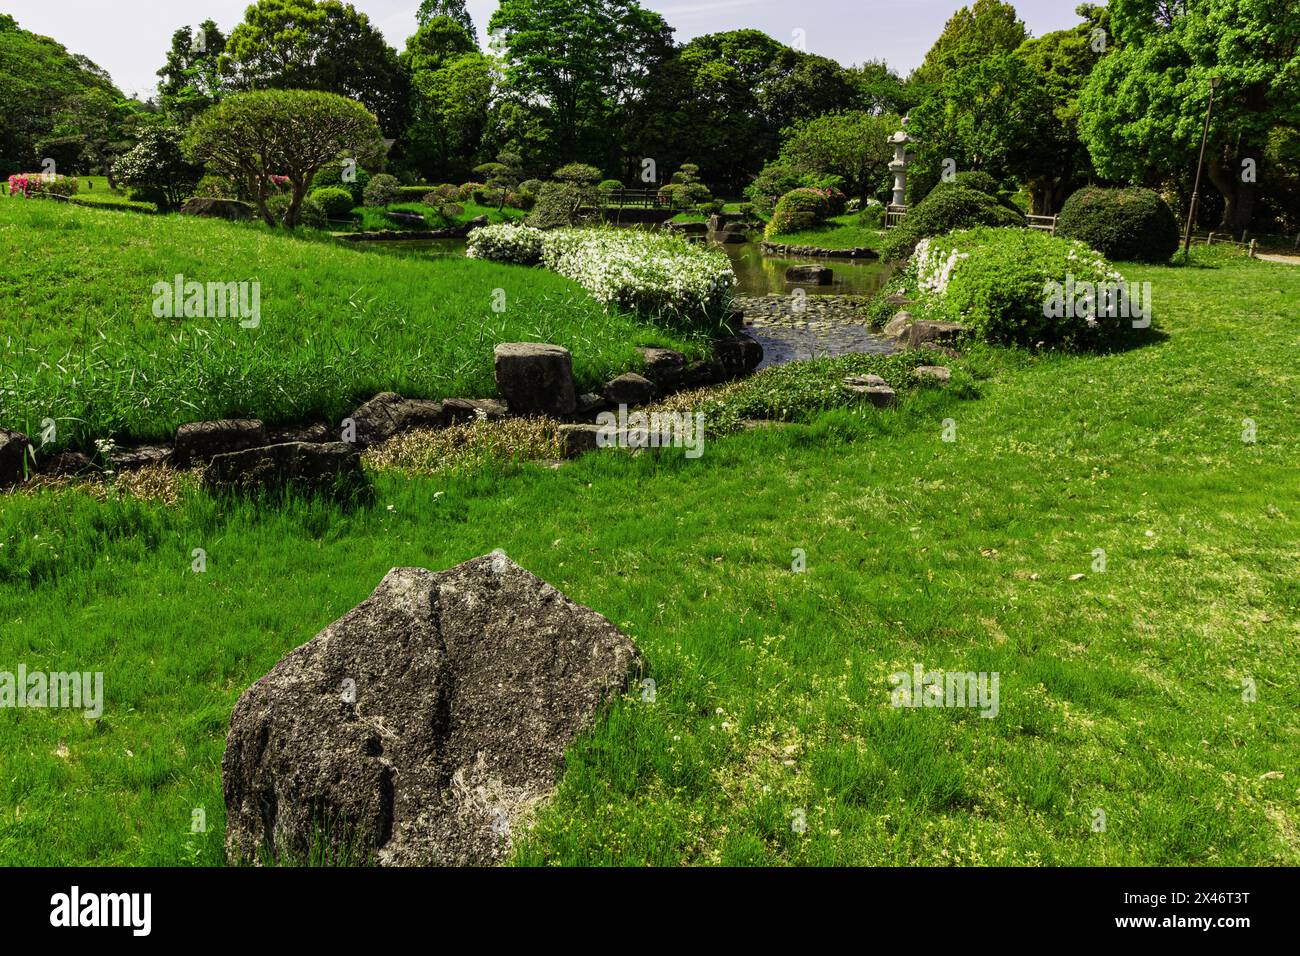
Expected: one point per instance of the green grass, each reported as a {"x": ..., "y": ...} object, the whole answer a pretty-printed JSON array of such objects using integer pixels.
[
  {"x": 94, "y": 191},
  {"x": 374, "y": 220},
  {"x": 1120, "y": 691},
  {"x": 79, "y": 342},
  {"x": 841, "y": 232}
]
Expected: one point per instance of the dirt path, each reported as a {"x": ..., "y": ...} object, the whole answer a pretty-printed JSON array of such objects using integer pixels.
[{"x": 1270, "y": 257}]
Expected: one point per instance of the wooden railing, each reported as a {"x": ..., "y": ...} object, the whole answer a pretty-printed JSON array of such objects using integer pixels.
[
  {"x": 1042, "y": 223},
  {"x": 635, "y": 198},
  {"x": 894, "y": 215}
]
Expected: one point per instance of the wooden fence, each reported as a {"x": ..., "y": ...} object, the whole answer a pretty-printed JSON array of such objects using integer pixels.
[
  {"x": 637, "y": 198},
  {"x": 1045, "y": 224}
]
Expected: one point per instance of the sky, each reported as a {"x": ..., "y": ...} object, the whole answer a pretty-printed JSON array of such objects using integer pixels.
[{"x": 129, "y": 38}]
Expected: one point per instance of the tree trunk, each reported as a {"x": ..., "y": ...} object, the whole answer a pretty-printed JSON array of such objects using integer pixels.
[
  {"x": 1228, "y": 176},
  {"x": 295, "y": 206}
]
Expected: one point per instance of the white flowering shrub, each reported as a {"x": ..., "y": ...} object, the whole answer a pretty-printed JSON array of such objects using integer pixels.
[
  {"x": 1020, "y": 285},
  {"x": 651, "y": 273},
  {"x": 507, "y": 242}
]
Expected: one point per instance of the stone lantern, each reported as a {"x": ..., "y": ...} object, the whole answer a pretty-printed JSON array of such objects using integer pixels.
[{"x": 899, "y": 168}]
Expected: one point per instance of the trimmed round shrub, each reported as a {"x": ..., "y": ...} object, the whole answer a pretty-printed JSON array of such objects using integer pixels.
[
  {"x": 441, "y": 195},
  {"x": 975, "y": 179},
  {"x": 382, "y": 190},
  {"x": 1130, "y": 224},
  {"x": 467, "y": 190},
  {"x": 332, "y": 175},
  {"x": 1019, "y": 286},
  {"x": 798, "y": 210},
  {"x": 609, "y": 185},
  {"x": 947, "y": 208},
  {"x": 335, "y": 200}
]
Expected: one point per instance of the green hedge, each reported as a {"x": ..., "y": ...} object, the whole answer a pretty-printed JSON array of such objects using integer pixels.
[
  {"x": 1130, "y": 224},
  {"x": 949, "y": 206},
  {"x": 798, "y": 211}
]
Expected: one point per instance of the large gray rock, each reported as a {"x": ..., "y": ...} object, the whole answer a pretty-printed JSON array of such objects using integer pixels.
[
  {"x": 13, "y": 457},
  {"x": 820, "y": 275},
  {"x": 664, "y": 367},
  {"x": 629, "y": 389},
  {"x": 737, "y": 355},
  {"x": 925, "y": 332},
  {"x": 137, "y": 456},
  {"x": 425, "y": 725},
  {"x": 461, "y": 410},
  {"x": 535, "y": 379},
  {"x": 387, "y": 414},
  {"x": 66, "y": 463},
  {"x": 897, "y": 326},
  {"x": 309, "y": 467},
  {"x": 199, "y": 441},
  {"x": 231, "y": 209}
]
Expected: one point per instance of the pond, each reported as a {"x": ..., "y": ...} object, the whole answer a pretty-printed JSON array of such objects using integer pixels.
[{"x": 757, "y": 274}]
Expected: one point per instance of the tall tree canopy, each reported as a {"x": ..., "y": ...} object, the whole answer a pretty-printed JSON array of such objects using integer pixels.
[
  {"x": 723, "y": 100},
  {"x": 319, "y": 45},
  {"x": 990, "y": 115},
  {"x": 191, "y": 80},
  {"x": 452, "y": 9},
  {"x": 54, "y": 99},
  {"x": 1143, "y": 107},
  {"x": 983, "y": 30},
  {"x": 581, "y": 64},
  {"x": 1058, "y": 164}
]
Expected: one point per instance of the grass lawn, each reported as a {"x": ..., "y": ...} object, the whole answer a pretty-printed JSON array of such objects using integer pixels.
[
  {"x": 374, "y": 220},
  {"x": 79, "y": 342},
  {"x": 840, "y": 232},
  {"x": 1121, "y": 691}
]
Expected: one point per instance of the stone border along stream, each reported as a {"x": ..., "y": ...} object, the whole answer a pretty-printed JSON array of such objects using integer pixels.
[{"x": 532, "y": 379}]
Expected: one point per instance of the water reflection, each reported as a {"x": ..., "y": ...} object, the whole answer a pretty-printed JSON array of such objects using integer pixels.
[{"x": 757, "y": 274}]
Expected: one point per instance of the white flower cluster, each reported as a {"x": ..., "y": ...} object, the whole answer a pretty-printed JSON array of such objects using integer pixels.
[
  {"x": 506, "y": 243},
  {"x": 1089, "y": 258},
  {"x": 641, "y": 271},
  {"x": 934, "y": 266}
]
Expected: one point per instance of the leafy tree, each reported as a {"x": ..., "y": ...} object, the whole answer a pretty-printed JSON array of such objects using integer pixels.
[
  {"x": 191, "y": 79},
  {"x": 319, "y": 45},
  {"x": 724, "y": 99},
  {"x": 434, "y": 43},
  {"x": 157, "y": 169},
  {"x": 852, "y": 146},
  {"x": 581, "y": 64},
  {"x": 503, "y": 175},
  {"x": 1058, "y": 165},
  {"x": 566, "y": 199},
  {"x": 880, "y": 89},
  {"x": 981, "y": 31},
  {"x": 251, "y": 137},
  {"x": 1144, "y": 105},
  {"x": 992, "y": 115},
  {"x": 91, "y": 129},
  {"x": 450, "y": 9},
  {"x": 450, "y": 107},
  {"x": 41, "y": 84}
]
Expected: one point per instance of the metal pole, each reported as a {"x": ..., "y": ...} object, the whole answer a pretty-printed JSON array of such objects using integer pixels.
[{"x": 1196, "y": 189}]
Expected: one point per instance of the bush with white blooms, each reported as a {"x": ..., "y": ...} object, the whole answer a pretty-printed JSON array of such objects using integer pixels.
[
  {"x": 521, "y": 245},
  {"x": 655, "y": 274}
]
